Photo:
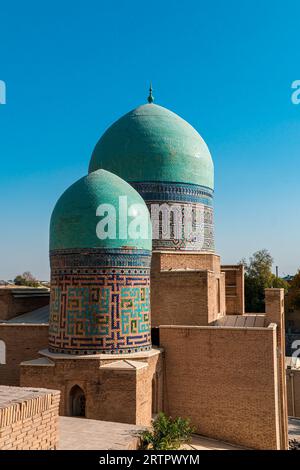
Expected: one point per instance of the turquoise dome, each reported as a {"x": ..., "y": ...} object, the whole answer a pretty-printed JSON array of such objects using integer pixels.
[
  {"x": 74, "y": 220},
  {"x": 152, "y": 143}
]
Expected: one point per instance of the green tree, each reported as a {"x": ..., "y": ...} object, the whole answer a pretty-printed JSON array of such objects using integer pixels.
[
  {"x": 258, "y": 277},
  {"x": 26, "y": 279},
  {"x": 167, "y": 433},
  {"x": 293, "y": 298}
]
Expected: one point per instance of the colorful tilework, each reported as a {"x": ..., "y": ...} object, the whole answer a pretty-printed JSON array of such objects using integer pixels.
[
  {"x": 96, "y": 308},
  {"x": 182, "y": 195}
]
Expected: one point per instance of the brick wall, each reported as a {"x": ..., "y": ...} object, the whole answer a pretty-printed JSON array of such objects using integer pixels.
[
  {"x": 181, "y": 260},
  {"x": 234, "y": 283},
  {"x": 22, "y": 343},
  {"x": 62, "y": 375},
  {"x": 187, "y": 297},
  {"x": 112, "y": 392},
  {"x": 186, "y": 288},
  {"x": 28, "y": 419},
  {"x": 11, "y": 306},
  {"x": 274, "y": 300},
  {"x": 293, "y": 392},
  {"x": 233, "y": 396},
  {"x": 216, "y": 296}
]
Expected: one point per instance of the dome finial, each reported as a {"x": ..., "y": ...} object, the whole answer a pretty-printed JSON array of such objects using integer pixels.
[{"x": 150, "y": 97}]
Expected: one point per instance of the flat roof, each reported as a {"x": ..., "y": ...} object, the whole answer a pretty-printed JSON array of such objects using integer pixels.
[
  {"x": 12, "y": 395},
  {"x": 37, "y": 316}
]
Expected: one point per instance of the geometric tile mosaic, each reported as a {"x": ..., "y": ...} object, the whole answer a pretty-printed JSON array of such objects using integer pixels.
[{"x": 97, "y": 309}]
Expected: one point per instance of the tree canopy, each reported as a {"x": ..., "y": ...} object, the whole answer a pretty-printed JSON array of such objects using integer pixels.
[
  {"x": 293, "y": 297},
  {"x": 26, "y": 279},
  {"x": 258, "y": 277}
]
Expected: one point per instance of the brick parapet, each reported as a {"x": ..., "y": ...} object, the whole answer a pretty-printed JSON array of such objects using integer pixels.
[{"x": 28, "y": 418}]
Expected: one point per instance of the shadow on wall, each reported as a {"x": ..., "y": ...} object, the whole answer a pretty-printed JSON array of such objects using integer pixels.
[{"x": 2, "y": 352}]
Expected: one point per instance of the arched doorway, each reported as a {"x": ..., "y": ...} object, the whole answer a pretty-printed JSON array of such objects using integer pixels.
[{"x": 77, "y": 401}]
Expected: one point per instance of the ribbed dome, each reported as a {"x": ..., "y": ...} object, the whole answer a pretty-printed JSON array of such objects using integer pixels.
[
  {"x": 74, "y": 220},
  {"x": 152, "y": 143}
]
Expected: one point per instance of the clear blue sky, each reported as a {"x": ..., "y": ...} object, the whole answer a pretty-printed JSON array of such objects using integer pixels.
[{"x": 72, "y": 68}]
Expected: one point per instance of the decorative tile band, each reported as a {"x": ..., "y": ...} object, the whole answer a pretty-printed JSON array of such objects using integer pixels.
[
  {"x": 105, "y": 258},
  {"x": 200, "y": 239},
  {"x": 198, "y": 199},
  {"x": 174, "y": 192},
  {"x": 99, "y": 301}
]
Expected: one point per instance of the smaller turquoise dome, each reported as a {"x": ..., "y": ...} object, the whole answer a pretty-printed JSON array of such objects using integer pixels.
[{"x": 74, "y": 220}]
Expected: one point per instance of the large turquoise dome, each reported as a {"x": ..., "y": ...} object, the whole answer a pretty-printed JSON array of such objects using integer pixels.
[
  {"x": 74, "y": 219},
  {"x": 152, "y": 143}
]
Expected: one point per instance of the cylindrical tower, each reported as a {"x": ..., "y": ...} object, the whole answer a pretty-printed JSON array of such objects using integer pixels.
[
  {"x": 100, "y": 253},
  {"x": 168, "y": 163}
]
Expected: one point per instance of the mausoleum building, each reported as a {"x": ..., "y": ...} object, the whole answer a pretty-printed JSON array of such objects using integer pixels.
[{"x": 143, "y": 316}]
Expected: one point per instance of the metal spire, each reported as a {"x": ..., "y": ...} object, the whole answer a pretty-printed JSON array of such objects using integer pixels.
[{"x": 150, "y": 97}]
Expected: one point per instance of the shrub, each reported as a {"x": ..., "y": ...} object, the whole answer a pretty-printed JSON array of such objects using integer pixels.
[{"x": 167, "y": 433}]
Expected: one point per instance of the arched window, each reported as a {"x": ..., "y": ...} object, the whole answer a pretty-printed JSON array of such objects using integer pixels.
[
  {"x": 2, "y": 352},
  {"x": 77, "y": 401}
]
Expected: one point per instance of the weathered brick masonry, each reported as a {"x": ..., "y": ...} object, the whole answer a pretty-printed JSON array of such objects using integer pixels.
[
  {"x": 224, "y": 380},
  {"x": 22, "y": 342},
  {"x": 115, "y": 389},
  {"x": 28, "y": 418}
]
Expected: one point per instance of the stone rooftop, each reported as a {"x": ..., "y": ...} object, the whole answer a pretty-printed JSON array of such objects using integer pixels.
[
  {"x": 12, "y": 395},
  {"x": 37, "y": 316},
  {"x": 242, "y": 321},
  {"x": 89, "y": 434}
]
